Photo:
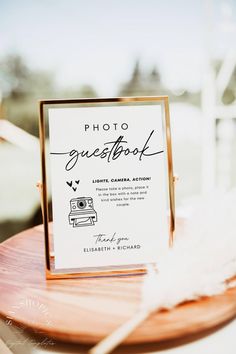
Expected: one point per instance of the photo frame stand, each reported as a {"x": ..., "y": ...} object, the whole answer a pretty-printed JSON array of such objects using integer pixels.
[{"x": 49, "y": 251}]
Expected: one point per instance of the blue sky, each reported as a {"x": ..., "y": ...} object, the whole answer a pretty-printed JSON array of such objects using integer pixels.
[{"x": 98, "y": 41}]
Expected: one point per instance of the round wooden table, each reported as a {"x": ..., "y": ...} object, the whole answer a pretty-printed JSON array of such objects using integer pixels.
[{"x": 86, "y": 310}]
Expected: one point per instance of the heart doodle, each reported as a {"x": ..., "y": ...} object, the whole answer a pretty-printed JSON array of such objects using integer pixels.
[
  {"x": 69, "y": 183},
  {"x": 77, "y": 182}
]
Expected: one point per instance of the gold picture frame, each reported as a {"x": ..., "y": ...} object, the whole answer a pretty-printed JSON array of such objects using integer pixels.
[{"x": 51, "y": 272}]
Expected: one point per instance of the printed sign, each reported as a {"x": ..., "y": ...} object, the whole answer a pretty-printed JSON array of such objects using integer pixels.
[{"x": 109, "y": 184}]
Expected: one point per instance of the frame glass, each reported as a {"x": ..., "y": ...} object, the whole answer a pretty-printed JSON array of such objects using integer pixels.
[{"x": 59, "y": 117}]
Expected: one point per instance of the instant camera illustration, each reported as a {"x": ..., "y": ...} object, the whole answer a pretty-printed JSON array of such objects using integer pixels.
[{"x": 82, "y": 212}]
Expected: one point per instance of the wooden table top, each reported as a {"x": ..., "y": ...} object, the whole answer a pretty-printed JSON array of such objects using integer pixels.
[{"x": 86, "y": 310}]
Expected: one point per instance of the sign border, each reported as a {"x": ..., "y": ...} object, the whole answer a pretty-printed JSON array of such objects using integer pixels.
[{"x": 48, "y": 238}]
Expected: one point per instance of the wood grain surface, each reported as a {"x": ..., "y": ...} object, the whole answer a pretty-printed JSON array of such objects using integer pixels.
[{"x": 86, "y": 310}]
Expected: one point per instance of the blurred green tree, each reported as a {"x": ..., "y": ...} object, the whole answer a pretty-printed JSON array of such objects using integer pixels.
[
  {"x": 22, "y": 87},
  {"x": 14, "y": 76}
]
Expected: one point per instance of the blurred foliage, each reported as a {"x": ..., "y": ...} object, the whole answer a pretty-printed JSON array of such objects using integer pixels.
[
  {"x": 22, "y": 87},
  {"x": 142, "y": 83},
  {"x": 149, "y": 83}
]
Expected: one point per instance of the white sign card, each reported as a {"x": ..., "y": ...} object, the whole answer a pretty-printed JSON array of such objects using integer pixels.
[{"x": 109, "y": 184}]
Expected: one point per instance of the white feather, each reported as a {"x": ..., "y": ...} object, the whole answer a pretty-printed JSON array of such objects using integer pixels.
[{"x": 202, "y": 259}]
